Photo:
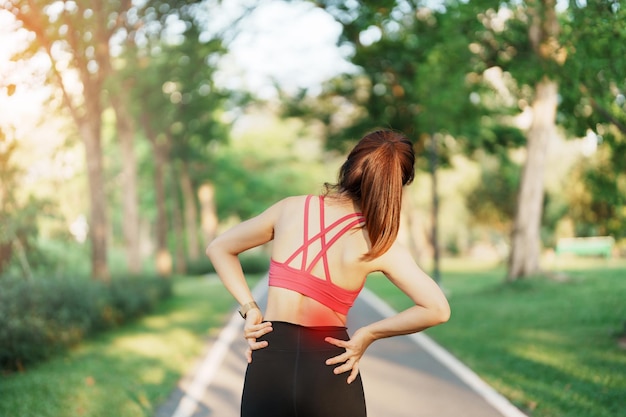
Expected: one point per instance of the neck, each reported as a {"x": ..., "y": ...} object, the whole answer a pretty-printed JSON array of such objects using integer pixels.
[{"x": 342, "y": 200}]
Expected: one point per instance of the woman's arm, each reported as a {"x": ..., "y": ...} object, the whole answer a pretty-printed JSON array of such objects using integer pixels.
[
  {"x": 431, "y": 308},
  {"x": 223, "y": 251}
]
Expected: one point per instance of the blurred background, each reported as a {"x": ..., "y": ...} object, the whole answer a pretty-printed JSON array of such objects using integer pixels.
[{"x": 134, "y": 131}]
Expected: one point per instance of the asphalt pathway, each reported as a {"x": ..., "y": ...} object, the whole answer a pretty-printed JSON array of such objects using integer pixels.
[{"x": 406, "y": 376}]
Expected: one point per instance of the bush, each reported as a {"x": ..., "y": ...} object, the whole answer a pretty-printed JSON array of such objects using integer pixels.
[
  {"x": 252, "y": 263},
  {"x": 200, "y": 266},
  {"x": 39, "y": 318},
  {"x": 134, "y": 297}
]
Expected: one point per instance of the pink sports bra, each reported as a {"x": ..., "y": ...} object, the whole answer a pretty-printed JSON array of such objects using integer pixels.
[{"x": 281, "y": 274}]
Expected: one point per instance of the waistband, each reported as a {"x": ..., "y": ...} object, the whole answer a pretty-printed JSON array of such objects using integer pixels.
[{"x": 294, "y": 337}]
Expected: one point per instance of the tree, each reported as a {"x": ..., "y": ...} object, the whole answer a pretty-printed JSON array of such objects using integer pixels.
[
  {"x": 594, "y": 84},
  {"x": 126, "y": 133},
  {"x": 522, "y": 40},
  {"x": 593, "y": 100},
  {"x": 543, "y": 32},
  {"x": 85, "y": 42},
  {"x": 76, "y": 37},
  {"x": 60, "y": 30},
  {"x": 416, "y": 73},
  {"x": 17, "y": 230},
  {"x": 178, "y": 106}
]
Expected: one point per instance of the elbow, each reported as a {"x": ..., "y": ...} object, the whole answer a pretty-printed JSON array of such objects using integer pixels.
[
  {"x": 440, "y": 313},
  {"x": 219, "y": 249},
  {"x": 212, "y": 249},
  {"x": 444, "y": 312}
]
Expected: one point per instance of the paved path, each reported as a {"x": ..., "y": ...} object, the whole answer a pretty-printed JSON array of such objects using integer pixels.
[{"x": 407, "y": 376}]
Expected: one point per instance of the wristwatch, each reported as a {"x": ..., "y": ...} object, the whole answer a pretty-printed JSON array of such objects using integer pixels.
[{"x": 243, "y": 311}]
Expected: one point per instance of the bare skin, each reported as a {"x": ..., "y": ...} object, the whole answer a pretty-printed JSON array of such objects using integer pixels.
[{"x": 282, "y": 224}]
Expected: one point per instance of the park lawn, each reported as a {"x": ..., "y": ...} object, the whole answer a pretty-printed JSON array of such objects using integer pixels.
[
  {"x": 126, "y": 372},
  {"x": 549, "y": 346}
]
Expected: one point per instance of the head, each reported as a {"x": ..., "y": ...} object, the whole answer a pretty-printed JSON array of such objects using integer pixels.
[{"x": 376, "y": 169}]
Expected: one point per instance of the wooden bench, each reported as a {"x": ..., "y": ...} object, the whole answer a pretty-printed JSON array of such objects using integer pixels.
[{"x": 586, "y": 246}]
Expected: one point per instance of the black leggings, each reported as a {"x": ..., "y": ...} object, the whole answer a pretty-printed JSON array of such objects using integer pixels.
[{"x": 289, "y": 378}]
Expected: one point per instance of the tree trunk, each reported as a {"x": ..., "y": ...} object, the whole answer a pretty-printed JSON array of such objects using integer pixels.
[
  {"x": 525, "y": 242},
  {"x": 164, "y": 258},
  {"x": 87, "y": 116},
  {"x": 206, "y": 195},
  {"x": 190, "y": 213},
  {"x": 126, "y": 133},
  {"x": 180, "y": 263},
  {"x": 411, "y": 223},
  {"x": 160, "y": 150},
  {"x": 89, "y": 129},
  {"x": 434, "y": 162}
]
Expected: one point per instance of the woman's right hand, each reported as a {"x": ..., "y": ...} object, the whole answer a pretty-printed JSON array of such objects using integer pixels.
[{"x": 254, "y": 328}]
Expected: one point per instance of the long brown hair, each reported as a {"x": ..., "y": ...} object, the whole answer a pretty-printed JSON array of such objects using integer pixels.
[{"x": 373, "y": 175}]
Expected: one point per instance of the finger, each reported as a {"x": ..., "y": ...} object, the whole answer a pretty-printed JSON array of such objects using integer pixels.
[
  {"x": 353, "y": 374},
  {"x": 337, "y": 359},
  {"x": 258, "y": 326},
  {"x": 257, "y": 332},
  {"x": 336, "y": 342},
  {"x": 249, "y": 355},
  {"x": 343, "y": 368},
  {"x": 257, "y": 345}
]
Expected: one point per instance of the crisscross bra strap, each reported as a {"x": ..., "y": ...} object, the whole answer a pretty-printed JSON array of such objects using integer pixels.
[{"x": 358, "y": 219}]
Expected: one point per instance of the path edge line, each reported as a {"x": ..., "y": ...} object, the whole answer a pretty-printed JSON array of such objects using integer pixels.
[
  {"x": 207, "y": 370},
  {"x": 486, "y": 391}
]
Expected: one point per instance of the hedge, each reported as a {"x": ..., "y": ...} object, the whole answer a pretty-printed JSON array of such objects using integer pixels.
[
  {"x": 251, "y": 262},
  {"x": 41, "y": 317}
]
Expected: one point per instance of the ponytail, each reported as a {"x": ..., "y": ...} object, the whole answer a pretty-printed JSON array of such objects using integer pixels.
[{"x": 373, "y": 176}]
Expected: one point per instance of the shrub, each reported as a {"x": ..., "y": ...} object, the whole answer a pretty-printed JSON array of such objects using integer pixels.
[
  {"x": 252, "y": 263},
  {"x": 39, "y": 318},
  {"x": 134, "y": 297},
  {"x": 200, "y": 266}
]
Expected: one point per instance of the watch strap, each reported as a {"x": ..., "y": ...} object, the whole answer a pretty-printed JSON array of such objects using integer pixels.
[{"x": 243, "y": 311}]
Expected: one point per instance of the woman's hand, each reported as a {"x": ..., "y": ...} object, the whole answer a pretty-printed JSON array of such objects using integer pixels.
[
  {"x": 254, "y": 328},
  {"x": 355, "y": 348}
]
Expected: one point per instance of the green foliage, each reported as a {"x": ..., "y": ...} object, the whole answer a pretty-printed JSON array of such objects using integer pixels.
[
  {"x": 423, "y": 75},
  {"x": 493, "y": 202},
  {"x": 414, "y": 77},
  {"x": 593, "y": 98},
  {"x": 597, "y": 204},
  {"x": 128, "y": 371},
  {"x": 39, "y": 318},
  {"x": 253, "y": 262},
  {"x": 18, "y": 231},
  {"x": 593, "y": 83},
  {"x": 249, "y": 183}
]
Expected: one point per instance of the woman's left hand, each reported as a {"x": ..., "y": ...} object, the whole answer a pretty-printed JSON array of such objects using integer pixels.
[
  {"x": 355, "y": 348},
  {"x": 254, "y": 328}
]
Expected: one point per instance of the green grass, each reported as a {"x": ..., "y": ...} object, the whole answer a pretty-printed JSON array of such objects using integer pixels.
[
  {"x": 549, "y": 346},
  {"x": 126, "y": 372}
]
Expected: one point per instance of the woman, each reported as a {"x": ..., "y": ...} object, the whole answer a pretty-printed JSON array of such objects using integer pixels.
[{"x": 323, "y": 249}]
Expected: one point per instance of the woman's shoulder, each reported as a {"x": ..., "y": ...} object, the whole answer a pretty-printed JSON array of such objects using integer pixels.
[
  {"x": 397, "y": 254},
  {"x": 294, "y": 201},
  {"x": 287, "y": 205}
]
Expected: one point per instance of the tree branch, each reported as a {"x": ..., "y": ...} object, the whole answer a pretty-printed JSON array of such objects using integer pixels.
[
  {"x": 33, "y": 23},
  {"x": 602, "y": 111}
]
